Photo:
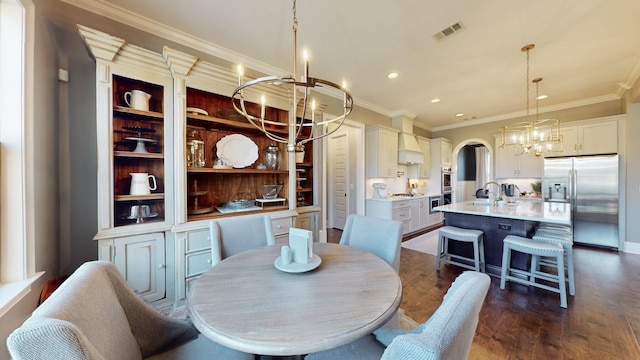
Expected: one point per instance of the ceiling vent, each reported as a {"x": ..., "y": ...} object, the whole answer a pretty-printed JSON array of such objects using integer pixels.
[{"x": 448, "y": 31}]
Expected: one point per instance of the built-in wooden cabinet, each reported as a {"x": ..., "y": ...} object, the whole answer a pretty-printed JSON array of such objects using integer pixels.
[{"x": 381, "y": 157}]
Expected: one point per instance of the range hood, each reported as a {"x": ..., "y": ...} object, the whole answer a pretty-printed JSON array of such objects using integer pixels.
[{"x": 409, "y": 152}]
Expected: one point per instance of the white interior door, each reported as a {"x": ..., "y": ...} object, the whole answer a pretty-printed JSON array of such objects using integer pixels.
[{"x": 339, "y": 183}]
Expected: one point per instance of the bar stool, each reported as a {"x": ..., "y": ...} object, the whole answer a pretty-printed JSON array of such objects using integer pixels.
[
  {"x": 447, "y": 233},
  {"x": 536, "y": 248},
  {"x": 566, "y": 240}
]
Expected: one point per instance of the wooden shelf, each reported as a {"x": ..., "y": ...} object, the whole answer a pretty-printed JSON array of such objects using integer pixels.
[
  {"x": 216, "y": 214},
  {"x": 235, "y": 171},
  {"x": 229, "y": 123},
  {"x": 158, "y": 196},
  {"x": 138, "y": 155},
  {"x": 304, "y": 164},
  {"x": 146, "y": 114}
]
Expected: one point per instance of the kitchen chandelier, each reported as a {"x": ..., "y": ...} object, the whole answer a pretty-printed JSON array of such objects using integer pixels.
[
  {"x": 532, "y": 137},
  {"x": 295, "y": 138}
]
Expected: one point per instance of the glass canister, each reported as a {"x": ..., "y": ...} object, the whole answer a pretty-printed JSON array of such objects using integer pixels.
[
  {"x": 272, "y": 157},
  {"x": 195, "y": 149}
]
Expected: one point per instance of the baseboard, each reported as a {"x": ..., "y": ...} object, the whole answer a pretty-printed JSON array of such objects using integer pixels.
[{"x": 632, "y": 248}]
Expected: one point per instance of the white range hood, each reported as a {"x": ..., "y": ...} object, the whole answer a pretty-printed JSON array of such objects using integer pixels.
[{"x": 409, "y": 152}]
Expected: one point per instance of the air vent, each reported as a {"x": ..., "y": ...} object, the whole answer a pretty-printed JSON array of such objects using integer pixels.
[{"x": 448, "y": 31}]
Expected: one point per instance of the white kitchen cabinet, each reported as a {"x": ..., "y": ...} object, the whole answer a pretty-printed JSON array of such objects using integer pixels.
[
  {"x": 589, "y": 138},
  {"x": 422, "y": 171},
  {"x": 508, "y": 165},
  {"x": 441, "y": 152},
  {"x": 381, "y": 155},
  {"x": 194, "y": 254},
  {"x": 308, "y": 219},
  {"x": 399, "y": 210},
  {"x": 141, "y": 261}
]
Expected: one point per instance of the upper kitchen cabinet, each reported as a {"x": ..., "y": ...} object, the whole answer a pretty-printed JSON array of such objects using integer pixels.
[
  {"x": 441, "y": 152},
  {"x": 134, "y": 112},
  {"x": 592, "y": 137},
  {"x": 508, "y": 165},
  {"x": 381, "y": 158},
  {"x": 224, "y": 165}
]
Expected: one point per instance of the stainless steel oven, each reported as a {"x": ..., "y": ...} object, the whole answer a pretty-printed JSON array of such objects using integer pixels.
[
  {"x": 446, "y": 180},
  {"x": 434, "y": 201}
]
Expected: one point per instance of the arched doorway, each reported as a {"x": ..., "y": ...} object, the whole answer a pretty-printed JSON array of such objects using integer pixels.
[{"x": 465, "y": 189}]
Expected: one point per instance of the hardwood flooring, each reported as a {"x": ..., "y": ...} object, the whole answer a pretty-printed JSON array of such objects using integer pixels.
[{"x": 602, "y": 320}]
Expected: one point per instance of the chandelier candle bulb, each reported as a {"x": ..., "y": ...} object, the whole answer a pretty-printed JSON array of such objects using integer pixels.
[
  {"x": 240, "y": 73},
  {"x": 262, "y": 108}
]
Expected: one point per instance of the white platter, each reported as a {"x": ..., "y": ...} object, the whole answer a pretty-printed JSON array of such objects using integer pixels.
[
  {"x": 237, "y": 150},
  {"x": 195, "y": 110},
  {"x": 294, "y": 267}
]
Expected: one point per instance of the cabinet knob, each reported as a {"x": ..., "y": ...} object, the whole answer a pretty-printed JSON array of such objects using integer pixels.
[
  {"x": 162, "y": 266},
  {"x": 209, "y": 261}
]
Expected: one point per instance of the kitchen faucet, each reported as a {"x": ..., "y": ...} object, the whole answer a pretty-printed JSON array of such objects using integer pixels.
[{"x": 496, "y": 184}]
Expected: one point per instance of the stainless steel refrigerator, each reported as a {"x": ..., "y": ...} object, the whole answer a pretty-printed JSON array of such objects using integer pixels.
[{"x": 590, "y": 185}]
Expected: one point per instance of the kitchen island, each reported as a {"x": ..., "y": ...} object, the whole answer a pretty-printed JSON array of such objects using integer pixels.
[{"x": 520, "y": 218}]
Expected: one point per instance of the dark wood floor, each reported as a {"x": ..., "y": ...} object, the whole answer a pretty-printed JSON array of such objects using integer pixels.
[{"x": 602, "y": 320}]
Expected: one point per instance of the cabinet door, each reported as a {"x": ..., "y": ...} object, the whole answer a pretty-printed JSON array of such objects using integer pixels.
[
  {"x": 598, "y": 138},
  {"x": 505, "y": 162},
  {"x": 570, "y": 144},
  {"x": 308, "y": 221},
  {"x": 424, "y": 169},
  {"x": 447, "y": 149},
  {"x": 141, "y": 261},
  {"x": 529, "y": 166},
  {"x": 381, "y": 152}
]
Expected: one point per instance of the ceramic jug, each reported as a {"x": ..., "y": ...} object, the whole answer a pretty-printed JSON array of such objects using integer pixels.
[
  {"x": 141, "y": 184},
  {"x": 137, "y": 99}
]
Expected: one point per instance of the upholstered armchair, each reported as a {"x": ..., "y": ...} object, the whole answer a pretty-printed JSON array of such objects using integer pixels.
[
  {"x": 233, "y": 235},
  {"x": 95, "y": 315},
  {"x": 377, "y": 236},
  {"x": 447, "y": 335}
]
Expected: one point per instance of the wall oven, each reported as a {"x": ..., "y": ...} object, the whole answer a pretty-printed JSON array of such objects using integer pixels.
[{"x": 446, "y": 180}]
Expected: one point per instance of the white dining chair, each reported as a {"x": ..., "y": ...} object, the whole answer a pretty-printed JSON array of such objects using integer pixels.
[
  {"x": 377, "y": 236},
  {"x": 232, "y": 235},
  {"x": 447, "y": 335}
]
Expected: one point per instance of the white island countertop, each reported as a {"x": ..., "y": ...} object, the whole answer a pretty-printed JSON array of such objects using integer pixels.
[{"x": 549, "y": 212}]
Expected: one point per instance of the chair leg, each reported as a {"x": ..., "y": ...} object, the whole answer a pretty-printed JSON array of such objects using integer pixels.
[
  {"x": 482, "y": 261},
  {"x": 476, "y": 255},
  {"x": 506, "y": 263},
  {"x": 562, "y": 282},
  {"x": 570, "y": 273},
  {"x": 439, "y": 256},
  {"x": 534, "y": 267}
]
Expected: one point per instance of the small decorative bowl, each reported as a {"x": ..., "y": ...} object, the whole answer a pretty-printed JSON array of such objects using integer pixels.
[
  {"x": 270, "y": 191},
  {"x": 239, "y": 204}
]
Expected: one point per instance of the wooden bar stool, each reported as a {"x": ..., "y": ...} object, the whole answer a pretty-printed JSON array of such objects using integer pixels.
[
  {"x": 447, "y": 233},
  {"x": 536, "y": 248},
  {"x": 566, "y": 240}
]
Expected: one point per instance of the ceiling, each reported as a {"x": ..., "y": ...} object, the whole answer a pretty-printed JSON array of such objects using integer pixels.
[{"x": 586, "y": 51}]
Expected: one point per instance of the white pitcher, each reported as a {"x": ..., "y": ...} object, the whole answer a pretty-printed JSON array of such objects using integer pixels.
[
  {"x": 137, "y": 99},
  {"x": 140, "y": 184}
]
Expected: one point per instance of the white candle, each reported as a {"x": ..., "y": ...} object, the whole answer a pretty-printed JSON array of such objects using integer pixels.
[
  {"x": 313, "y": 111},
  {"x": 262, "y": 108},
  {"x": 306, "y": 64},
  {"x": 240, "y": 73},
  {"x": 344, "y": 87}
]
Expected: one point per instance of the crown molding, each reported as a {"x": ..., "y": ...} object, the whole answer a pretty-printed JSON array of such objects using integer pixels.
[{"x": 557, "y": 107}]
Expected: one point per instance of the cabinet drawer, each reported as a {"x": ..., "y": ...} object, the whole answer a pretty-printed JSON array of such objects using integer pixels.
[
  {"x": 281, "y": 226},
  {"x": 197, "y": 263},
  {"x": 189, "y": 282},
  {"x": 401, "y": 214},
  {"x": 400, "y": 204},
  {"x": 198, "y": 240}
]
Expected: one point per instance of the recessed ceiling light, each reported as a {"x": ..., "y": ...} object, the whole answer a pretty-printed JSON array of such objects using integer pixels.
[
  {"x": 435, "y": 100},
  {"x": 460, "y": 115},
  {"x": 542, "y": 97},
  {"x": 392, "y": 75}
]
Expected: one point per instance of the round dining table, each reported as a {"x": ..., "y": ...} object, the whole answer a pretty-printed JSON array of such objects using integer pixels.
[{"x": 248, "y": 304}]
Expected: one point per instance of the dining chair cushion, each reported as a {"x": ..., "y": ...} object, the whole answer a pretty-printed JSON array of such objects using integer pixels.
[{"x": 377, "y": 236}]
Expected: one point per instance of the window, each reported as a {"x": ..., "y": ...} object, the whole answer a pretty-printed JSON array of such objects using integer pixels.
[{"x": 16, "y": 124}]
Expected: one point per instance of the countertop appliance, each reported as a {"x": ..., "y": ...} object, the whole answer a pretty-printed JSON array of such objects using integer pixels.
[{"x": 590, "y": 185}]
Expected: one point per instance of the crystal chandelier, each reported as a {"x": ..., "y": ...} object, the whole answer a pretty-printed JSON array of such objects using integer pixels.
[
  {"x": 300, "y": 92},
  {"x": 532, "y": 137}
]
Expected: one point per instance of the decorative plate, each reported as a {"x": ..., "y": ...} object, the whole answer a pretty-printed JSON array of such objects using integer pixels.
[
  {"x": 295, "y": 267},
  {"x": 237, "y": 150},
  {"x": 198, "y": 111}
]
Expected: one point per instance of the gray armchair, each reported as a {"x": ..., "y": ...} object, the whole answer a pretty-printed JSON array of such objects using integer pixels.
[
  {"x": 380, "y": 237},
  {"x": 232, "y": 235},
  {"x": 94, "y": 315},
  {"x": 447, "y": 335}
]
